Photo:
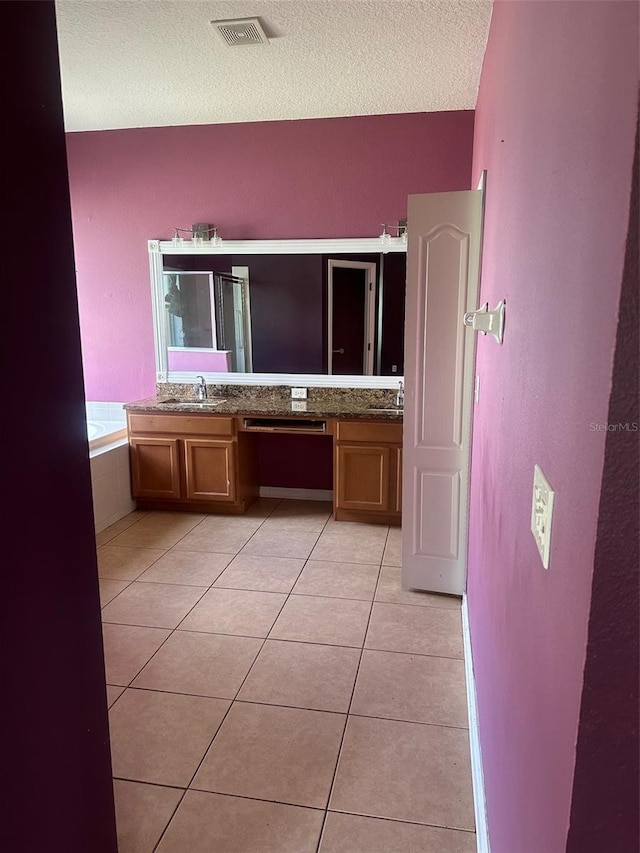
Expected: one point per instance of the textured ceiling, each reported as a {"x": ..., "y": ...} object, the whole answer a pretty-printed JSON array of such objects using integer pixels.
[{"x": 149, "y": 63}]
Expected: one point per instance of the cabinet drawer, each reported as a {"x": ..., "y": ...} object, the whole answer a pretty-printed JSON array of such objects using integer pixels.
[
  {"x": 182, "y": 424},
  {"x": 370, "y": 432}
]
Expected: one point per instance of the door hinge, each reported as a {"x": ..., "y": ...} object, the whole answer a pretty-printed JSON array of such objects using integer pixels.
[{"x": 368, "y": 347}]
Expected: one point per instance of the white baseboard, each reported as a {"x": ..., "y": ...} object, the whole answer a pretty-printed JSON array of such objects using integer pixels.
[
  {"x": 477, "y": 776},
  {"x": 296, "y": 494}
]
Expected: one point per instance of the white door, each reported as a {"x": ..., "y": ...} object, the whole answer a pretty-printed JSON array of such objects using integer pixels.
[
  {"x": 351, "y": 308},
  {"x": 443, "y": 261}
]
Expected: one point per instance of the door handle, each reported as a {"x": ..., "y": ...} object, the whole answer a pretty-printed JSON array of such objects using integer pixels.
[{"x": 339, "y": 351}]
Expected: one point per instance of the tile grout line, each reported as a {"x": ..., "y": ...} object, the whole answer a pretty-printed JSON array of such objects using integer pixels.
[
  {"x": 291, "y": 707},
  {"x": 353, "y": 690},
  {"x": 296, "y": 805},
  {"x": 171, "y": 630},
  {"x": 128, "y": 687},
  {"x": 102, "y": 606},
  {"x": 135, "y": 580},
  {"x": 150, "y": 547},
  {"x": 404, "y": 822},
  {"x": 145, "y": 513},
  {"x": 218, "y": 727},
  {"x": 288, "y": 640},
  {"x": 267, "y": 591},
  {"x": 231, "y": 703}
]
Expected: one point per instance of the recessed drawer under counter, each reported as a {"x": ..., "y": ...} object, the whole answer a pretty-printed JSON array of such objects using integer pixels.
[
  {"x": 389, "y": 433},
  {"x": 277, "y": 424},
  {"x": 205, "y": 424}
]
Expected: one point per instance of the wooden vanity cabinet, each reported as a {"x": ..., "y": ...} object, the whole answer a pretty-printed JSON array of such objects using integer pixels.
[
  {"x": 191, "y": 462},
  {"x": 368, "y": 471},
  {"x": 209, "y": 463}
]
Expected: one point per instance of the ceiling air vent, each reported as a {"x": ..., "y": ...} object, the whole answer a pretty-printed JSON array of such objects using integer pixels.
[{"x": 241, "y": 31}]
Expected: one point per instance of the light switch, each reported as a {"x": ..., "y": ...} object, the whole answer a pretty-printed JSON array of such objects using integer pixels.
[{"x": 542, "y": 513}]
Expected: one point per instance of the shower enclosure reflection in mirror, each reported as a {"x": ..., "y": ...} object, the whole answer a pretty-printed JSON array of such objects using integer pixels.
[{"x": 289, "y": 312}]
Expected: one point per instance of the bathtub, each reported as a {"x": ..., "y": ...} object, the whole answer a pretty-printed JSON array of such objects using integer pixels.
[
  {"x": 101, "y": 433},
  {"x": 109, "y": 460}
]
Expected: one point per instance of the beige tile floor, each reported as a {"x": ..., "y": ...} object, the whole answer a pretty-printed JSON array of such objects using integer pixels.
[{"x": 273, "y": 689}]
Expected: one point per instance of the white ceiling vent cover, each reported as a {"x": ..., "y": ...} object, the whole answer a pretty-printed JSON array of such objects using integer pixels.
[{"x": 241, "y": 31}]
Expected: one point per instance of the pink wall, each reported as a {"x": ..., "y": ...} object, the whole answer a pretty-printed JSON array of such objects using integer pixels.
[
  {"x": 216, "y": 361},
  {"x": 555, "y": 129},
  {"x": 313, "y": 178}
]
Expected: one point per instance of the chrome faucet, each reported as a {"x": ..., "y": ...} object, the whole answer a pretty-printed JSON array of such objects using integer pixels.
[
  {"x": 400, "y": 394},
  {"x": 201, "y": 388}
]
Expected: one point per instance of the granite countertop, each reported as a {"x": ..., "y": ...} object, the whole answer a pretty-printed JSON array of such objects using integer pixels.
[{"x": 338, "y": 407}]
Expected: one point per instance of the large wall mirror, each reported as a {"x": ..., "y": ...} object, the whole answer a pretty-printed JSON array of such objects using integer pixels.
[{"x": 314, "y": 312}]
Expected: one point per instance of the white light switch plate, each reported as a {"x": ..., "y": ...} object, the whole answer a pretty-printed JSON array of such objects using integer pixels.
[
  {"x": 542, "y": 513},
  {"x": 299, "y": 393}
]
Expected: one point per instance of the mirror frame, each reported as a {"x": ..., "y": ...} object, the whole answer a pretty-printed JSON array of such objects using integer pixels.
[{"x": 357, "y": 246}]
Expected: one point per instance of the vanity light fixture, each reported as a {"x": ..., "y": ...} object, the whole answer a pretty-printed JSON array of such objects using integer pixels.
[
  {"x": 201, "y": 233},
  {"x": 385, "y": 237},
  {"x": 401, "y": 231}
]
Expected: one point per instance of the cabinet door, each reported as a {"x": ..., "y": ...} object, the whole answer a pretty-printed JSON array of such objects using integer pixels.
[
  {"x": 155, "y": 471},
  {"x": 209, "y": 469},
  {"x": 362, "y": 477}
]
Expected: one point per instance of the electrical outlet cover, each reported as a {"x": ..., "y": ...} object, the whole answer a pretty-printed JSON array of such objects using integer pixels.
[
  {"x": 299, "y": 393},
  {"x": 298, "y": 405},
  {"x": 542, "y": 513}
]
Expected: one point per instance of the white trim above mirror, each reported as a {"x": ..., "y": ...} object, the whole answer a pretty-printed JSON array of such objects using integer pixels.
[
  {"x": 159, "y": 248},
  {"x": 306, "y": 380},
  {"x": 357, "y": 245}
]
